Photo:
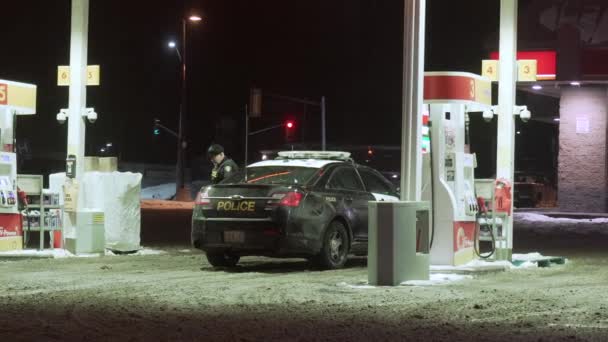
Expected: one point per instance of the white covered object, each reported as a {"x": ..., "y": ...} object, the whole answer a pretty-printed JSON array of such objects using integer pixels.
[{"x": 117, "y": 194}]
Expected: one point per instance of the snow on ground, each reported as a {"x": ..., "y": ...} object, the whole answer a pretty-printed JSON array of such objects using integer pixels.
[
  {"x": 178, "y": 296},
  {"x": 539, "y": 223},
  {"x": 435, "y": 279},
  {"x": 438, "y": 278},
  {"x": 147, "y": 251},
  {"x": 143, "y": 251},
  {"x": 529, "y": 259},
  {"x": 46, "y": 253},
  {"x": 58, "y": 253},
  {"x": 483, "y": 265}
]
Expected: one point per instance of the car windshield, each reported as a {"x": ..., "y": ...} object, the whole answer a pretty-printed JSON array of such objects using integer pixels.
[{"x": 283, "y": 175}]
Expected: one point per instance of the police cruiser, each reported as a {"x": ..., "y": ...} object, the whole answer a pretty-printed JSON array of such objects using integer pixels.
[{"x": 303, "y": 204}]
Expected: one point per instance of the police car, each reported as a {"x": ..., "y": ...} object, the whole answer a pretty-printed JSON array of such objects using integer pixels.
[{"x": 302, "y": 204}]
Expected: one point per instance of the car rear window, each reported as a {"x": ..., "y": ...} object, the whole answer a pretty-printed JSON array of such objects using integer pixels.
[{"x": 283, "y": 175}]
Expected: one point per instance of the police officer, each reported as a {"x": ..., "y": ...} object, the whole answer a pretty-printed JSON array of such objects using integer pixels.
[{"x": 222, "y": 165}]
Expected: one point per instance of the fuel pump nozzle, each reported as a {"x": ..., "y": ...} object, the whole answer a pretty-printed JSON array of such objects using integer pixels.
[{"x": 23, "y": 208}]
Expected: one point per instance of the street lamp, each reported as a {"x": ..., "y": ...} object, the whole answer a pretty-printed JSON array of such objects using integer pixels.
[{"x": 181, "y": 141}]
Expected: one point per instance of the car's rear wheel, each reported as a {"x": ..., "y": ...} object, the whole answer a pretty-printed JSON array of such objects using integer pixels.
[
  {"x": 222, "y": 259},
  {"x": 336, "y": 245}
]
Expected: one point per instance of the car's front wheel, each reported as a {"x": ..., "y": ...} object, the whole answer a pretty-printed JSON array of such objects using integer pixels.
[
  {"x": 222, "y": 259},
  {"x": 335, "y": 248}
]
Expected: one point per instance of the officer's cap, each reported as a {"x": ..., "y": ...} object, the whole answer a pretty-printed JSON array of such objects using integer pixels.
[{"x": 214, "y": 150}]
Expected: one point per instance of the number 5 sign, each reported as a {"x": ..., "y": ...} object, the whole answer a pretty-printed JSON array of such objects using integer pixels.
[{"x": 3, "y": 94}]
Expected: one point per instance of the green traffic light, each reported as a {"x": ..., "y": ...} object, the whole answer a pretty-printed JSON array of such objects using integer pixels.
[{"x": 156, "y": 131}]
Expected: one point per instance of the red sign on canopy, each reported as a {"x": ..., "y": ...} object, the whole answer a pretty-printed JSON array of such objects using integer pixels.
[{"x": 546, "y": 62}]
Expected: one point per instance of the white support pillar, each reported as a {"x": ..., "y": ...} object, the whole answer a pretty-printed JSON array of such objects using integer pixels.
[
  {"x": 505, "y": 155},
  {"x": 78, "y": 83},
  {"x": 413, "y": 84},
  {"x": 393, "y": 227},
  {"x": 77, "y": 107}
]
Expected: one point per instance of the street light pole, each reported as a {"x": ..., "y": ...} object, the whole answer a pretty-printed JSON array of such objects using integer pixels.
[
  {"x": 323, "y": 138},
  {"x": 179, "y": 184}
]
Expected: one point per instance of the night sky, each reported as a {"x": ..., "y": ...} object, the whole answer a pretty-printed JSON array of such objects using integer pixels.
[{"x": 347, "y": 50}]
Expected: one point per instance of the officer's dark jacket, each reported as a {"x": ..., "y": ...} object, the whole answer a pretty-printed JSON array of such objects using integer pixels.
[{"x": 223, "y": 170}]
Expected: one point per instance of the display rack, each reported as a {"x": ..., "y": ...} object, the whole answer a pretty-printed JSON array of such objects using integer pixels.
[{"x": 44, "y": 213}]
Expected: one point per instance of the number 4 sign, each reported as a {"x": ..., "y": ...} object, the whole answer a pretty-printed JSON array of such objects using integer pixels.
[{"x": 489, "y": 69}]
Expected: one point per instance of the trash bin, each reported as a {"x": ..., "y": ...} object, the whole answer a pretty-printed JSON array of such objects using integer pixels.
[{"x": 398, "y": 242}]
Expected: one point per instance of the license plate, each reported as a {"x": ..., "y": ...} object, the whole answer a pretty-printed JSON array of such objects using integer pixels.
[{"x": 234, "y": 236}]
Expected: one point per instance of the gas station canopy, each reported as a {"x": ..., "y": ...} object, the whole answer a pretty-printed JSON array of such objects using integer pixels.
[{"x": 20, "y": 97}]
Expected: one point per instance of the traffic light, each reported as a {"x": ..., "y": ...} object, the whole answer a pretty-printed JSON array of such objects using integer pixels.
[
  {"x": 290, "y": 126},
  {"x": 255, "y": 102},
  {"x": 156, "y": 129}
]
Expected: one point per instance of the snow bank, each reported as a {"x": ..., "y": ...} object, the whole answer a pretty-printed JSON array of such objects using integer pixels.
[
  {"x": 486, "y": 265},
  {"x": 162, "y": 192},
  {"x": 146, "y": 251},
  {"x": 538, "y": 223}
]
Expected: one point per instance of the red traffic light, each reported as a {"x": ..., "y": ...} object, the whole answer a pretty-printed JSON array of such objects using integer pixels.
[{"x": 289, "y": 124}]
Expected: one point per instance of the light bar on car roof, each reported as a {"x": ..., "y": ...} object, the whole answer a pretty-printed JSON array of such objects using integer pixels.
[{"x": 314, "y": 155}]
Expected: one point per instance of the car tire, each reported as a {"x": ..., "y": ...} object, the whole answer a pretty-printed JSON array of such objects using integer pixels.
[
  {"x": 222, "y": 259},
  {"x": 336, "y": 245}
]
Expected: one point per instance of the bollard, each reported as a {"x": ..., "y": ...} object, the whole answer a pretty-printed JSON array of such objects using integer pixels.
[{"x": 398, "y": 243}]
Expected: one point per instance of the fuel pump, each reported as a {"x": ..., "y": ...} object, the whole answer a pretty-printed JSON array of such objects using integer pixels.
[
  {"x": 16, "y": 99},
  {"x": 24, "y": 209},
  {"x": 11, "y": 234},
  {"x": 448, "y": 176}
]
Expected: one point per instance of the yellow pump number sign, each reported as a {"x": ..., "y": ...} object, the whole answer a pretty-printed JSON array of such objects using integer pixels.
[
  {"x": 489, "y": 69},
  {"x": 526, "y": 70},
  {"x": 63, "y": 75}
]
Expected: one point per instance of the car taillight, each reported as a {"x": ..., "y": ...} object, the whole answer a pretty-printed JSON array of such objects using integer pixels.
[
  {"x": 202, "y": 198},
  {"x": 291, "y": 199}
]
